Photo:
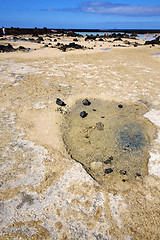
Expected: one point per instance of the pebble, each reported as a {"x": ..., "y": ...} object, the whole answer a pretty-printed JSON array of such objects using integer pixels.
[
  {"x": 86, "y": 136},
  {"x": 60, "y": 102},
  {"x": 83, "y": 114},
  {"x": 95, "y": 165},
  {"x": 138, "y": 175},
  {"x": 100, "y": 126},
  {"x": 122, "y": 172},
  {"x": 108, "y": 160},
  {"x": 108, "y": 170},
  {"x": 120, "y": 106},
  {"x": 86, "y": 102}
]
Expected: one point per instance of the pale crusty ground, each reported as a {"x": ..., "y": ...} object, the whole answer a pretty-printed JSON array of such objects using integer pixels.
[{"x": 44, "y": 193}]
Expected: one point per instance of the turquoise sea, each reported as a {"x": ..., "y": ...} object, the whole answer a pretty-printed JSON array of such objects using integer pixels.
[{"x": 146, "y": 37}]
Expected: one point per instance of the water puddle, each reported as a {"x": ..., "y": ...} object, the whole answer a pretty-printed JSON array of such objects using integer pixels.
[
  {"x": 109, "y": 139},
  {"x": 156, "y": 53},
  {"x": 105, "y": 48}
]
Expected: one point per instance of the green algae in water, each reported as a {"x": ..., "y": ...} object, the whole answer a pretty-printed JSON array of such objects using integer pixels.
[{"x": 112, "y": 140}]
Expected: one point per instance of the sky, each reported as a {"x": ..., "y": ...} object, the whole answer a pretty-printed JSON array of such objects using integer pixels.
[{"x": 120, "y": 14}]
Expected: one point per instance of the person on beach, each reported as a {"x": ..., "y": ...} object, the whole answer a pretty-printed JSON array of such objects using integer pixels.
[{"x": 4, "y": 32}]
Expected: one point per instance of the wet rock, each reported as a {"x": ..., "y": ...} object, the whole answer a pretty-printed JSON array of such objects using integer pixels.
[
  {"x": 95, "y": 165},
  {"x": 83, "y": 114},
  {"x": 86, "y": 102},
  {"x": 21, "y": 48},
  {"x": 100, "y": 126},
  {"x": 127, "y": 147},
  {"x": 108, "y": 170},
  {"x": 60, "y": 102}
]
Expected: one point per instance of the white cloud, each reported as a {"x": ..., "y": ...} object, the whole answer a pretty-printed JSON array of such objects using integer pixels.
[
  {"x": 109, "y": 8},
  {"x": 118, "y": 9}
]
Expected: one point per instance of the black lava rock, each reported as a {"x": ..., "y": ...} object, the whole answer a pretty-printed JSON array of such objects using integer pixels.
[
  {"x": 7, "y": 48},
  {"x": 120, "y": 106},
  {"x": 108, "y": 160},
  {"x": 138, "y": 175},
  {"x": 83, "y": 114},
  {"x": 60, "y": 102},
  {"x": 63, "y": 47},
  {"x": 86, "y": 102},
  {"x": 108, "y": 170},
  {"x": 154, "y": 41}
]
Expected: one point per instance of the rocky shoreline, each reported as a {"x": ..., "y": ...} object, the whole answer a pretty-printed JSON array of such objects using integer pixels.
[{"x": 48, "y": 40}]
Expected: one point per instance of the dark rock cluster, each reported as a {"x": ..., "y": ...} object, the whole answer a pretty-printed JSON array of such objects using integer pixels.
[
  {"x": 73, "y": 45},
  {"x": 9, "y": 48},
  {"x": 154, "y": 41}
]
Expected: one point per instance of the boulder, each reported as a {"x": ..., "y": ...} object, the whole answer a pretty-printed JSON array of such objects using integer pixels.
[
  {"x": 154, "y": 41},
  {"x": 8, "y": 48}
]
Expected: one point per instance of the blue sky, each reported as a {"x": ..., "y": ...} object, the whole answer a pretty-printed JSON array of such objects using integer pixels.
[{"x": 80, "y": 14}]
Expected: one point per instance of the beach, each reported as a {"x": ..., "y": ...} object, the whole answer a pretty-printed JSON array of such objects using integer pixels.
[{"x": 48, "y": 193}]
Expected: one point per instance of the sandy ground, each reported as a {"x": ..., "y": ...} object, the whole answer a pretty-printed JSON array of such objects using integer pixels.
[{"x": 44, "y": 193}]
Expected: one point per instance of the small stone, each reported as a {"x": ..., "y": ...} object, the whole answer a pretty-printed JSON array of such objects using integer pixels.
[
  {"x": 95, "y": 165},
  {"x": 83, "y": 114},
  {"x": 86, "y": 136},
  {"x": 94, "y": 110},
  {"x": 138, "y": 175},
  {"x": 60, "y": 102},
  {"x": 120, "y": 106},
  {"x": 108, "y": 160},
  {"x": 86, "y": 102},
  {"x": 127, "y": 147},
  {"x": 85, "y": 130},
  {"x": 100, "y": 126},
  {"x": 122, "y": 172},
  {"x": 108, "y": 170}
]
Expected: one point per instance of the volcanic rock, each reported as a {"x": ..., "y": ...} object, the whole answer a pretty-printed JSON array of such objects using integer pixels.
[
  {"x": 83, "y": 114},
  {"x": 60, "y": 102},
  {"x": 86, "y": 102}
]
